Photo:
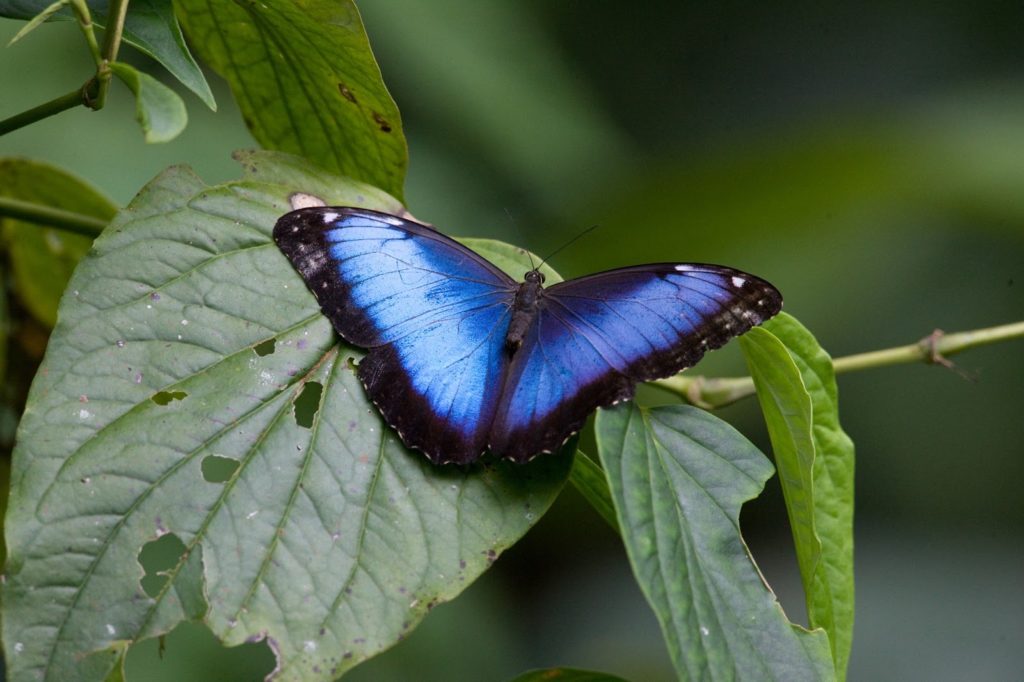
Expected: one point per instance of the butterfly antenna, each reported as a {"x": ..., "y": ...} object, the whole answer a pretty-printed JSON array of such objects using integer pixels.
[
  {"x": 511, "y": 219},
  {"x": 568, "y": 243}
]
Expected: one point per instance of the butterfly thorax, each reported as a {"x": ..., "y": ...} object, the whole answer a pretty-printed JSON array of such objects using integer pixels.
[{"x": 524, "y": 309}]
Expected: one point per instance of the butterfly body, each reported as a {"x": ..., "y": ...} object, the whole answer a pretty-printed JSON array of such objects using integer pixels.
[
  {"x": 462, "y": 359},
  {"x": 524, "y": 309}
]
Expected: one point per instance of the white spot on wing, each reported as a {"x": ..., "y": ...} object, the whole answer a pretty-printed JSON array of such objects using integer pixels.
[
  {"x": 330, "y": 217},
  {"x": 685, "y": 268},
  {"x": 738, "y": 281}
]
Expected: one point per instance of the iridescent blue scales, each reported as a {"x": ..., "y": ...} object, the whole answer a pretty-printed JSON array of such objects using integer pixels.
[{"x": 461, "y": 358}]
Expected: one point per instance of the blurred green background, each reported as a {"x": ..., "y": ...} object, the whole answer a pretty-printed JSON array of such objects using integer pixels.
[{"x": 867, "y": 158}]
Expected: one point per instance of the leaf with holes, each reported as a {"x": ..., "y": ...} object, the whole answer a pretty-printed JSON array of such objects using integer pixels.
[{"x": 193, "y": 389}]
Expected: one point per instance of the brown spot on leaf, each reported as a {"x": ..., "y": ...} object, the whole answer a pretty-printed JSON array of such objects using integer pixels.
[
  {"x": 381, "y": 122},
  {"x": 346, "y": 93}
]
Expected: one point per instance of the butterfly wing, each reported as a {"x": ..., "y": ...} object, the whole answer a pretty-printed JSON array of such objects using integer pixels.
[
  {"x": 431, "y": 313},
  {"x": 595, "y": 337}
]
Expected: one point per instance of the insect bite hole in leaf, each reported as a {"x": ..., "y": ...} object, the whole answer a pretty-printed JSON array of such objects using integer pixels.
[
  {"x": 265, "y": 348},
  {"x": 218, "y": 469},
  {"x": 308, "y": 403},
  {"x": 252, "y": 660},
  {"x": 167, "y": 397},
  {"x": 157, "y": 557}
]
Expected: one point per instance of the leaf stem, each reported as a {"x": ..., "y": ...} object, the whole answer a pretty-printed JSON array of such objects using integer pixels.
[
  {"x": 45, "y": 110},
  {"x": 68, "y": 221},
  {"x": 111, "y": 43},
  {"x": 81, "y": 11},
  {"x": 94, "y": 93},
  {"x": 115, "y": 28},
  {"x": 711, "y": 392}
]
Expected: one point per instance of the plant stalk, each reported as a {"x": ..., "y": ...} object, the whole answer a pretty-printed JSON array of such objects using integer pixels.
[
  {"x": 94, "y": 93},
  {"x": 45, "y": 110},
  {"x": 710, "y": 393},
  {"x": 115, "y": 28},
  {"x": 81, "y": 11},
  {"x": 68, "y": 221},
  {"x": 111, "y": 43}
]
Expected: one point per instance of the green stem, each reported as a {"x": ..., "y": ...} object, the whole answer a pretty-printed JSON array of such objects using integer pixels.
[
  {"x": 111, "y": 42},
  {"x": 711, "y": 393},
  {"x": 91, "y": 94},
  {"x": 81, "y": 11},
  {"x": 68, "y": 221},
  {"x": 115, "y": 28},
  {"x": 54, "y": 106}
]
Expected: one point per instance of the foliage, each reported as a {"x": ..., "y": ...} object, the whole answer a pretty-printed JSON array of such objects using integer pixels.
[{"x": 192, "y": 395}]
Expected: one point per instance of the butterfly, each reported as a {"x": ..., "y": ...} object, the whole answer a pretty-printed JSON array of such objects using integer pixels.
[{"x": 462, "y": 359}]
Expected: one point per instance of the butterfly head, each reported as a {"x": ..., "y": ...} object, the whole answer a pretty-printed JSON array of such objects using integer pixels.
[{"x": 534, "y": 277}]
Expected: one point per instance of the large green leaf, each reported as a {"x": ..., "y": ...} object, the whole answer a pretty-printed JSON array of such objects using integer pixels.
[
  {"x": 150, "y": 26},
  {"x": 192, "y": 387},
  {"x": 42, "y": 258},
  {"x": 306, "y": 82},
  {"x": 797, "y": 390},
  {"x": 678, "y": 476}
]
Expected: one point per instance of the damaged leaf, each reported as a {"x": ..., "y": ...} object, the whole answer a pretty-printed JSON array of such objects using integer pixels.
[{"x": 328, "y": 539}]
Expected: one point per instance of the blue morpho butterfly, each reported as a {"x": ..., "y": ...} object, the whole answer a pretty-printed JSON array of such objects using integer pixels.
[{"x": 462, "y": 359}]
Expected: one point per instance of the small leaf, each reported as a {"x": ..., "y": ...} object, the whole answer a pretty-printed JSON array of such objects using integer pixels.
[
  {"x": 306, "y": 83},
  {"x": 42, "y": 258},
  {"x": 566, "y": 675},
  {"x": 160, "y": 111},
  {"x": 796, "y": 389},
  {"x": 328, "y": 539},
  {"x": 678, "y": 476},
  {"x": 150, "y": 26},
  {"x": 37, "y": 21}
]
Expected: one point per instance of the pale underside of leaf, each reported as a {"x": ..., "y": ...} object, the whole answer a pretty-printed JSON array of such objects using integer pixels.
[{"x": 330, "y": 540}]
